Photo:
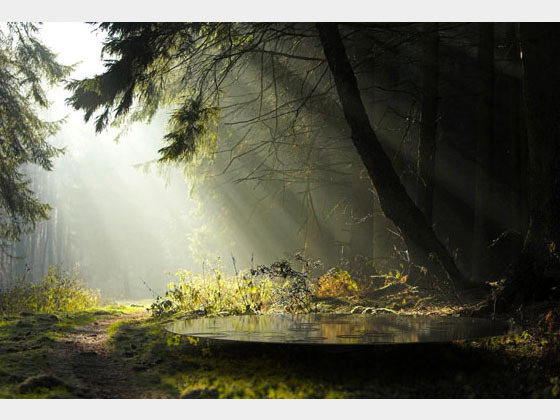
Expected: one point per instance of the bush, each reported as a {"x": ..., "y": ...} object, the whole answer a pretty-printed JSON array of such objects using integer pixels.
[
  {"x": 277, "y": 286},
  {"x": 238, "y": 294},
  {"x": 59, "y": 290},
  {"x": 336, "y": 283}
]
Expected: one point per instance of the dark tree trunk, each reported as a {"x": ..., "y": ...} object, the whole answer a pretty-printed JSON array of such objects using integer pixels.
[
  {"x": 517, "y": 133},
  {"x": 361, "y": 221},
  {"x": 395, "y": 202},
  {"x": 541, "y": 88},
  {"x": 428, "y": 127},
  {"x": 484, "y": 145}
]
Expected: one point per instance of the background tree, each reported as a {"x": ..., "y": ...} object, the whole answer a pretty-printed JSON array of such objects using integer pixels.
[
  {"x": 428, "y": 126},
  {"x": 484, "y": 148},
  {"x": 423, "y": 245},
  {"x": 25, "y": 65},
  {"x": 541, "y": 89}
]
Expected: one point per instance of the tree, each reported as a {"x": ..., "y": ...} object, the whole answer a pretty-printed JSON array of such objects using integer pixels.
[
  {"x": 25, "y": 64},
  {"x": 485, "y": 139},
  {"x": 190, "y": 65},
  {"x": 422, "y": 243},
  {"x": 428, "y": 126},
  {"x": 541, "y": 88}
]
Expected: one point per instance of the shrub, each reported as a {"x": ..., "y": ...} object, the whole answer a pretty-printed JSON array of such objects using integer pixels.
[
  {"x": 59, "y": 290},
  {"x": 261, "y": 289},
  {"x": 238, "y": 294},
  {"x": 336, "y": 283}
]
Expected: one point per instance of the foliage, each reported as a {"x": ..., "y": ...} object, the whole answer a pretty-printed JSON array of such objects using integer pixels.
[
  {"x": 336, "y": 282},
  {"x": 59, "y": 290},
  {"x": 295, "y": 290},
  {"x": 187, "y": 67},
  {"x": 24, "y": 64},
  {"x": 190, "y": 132},
  {"x": 259, "y": 290},
  {"x": 214, "y": 294}
]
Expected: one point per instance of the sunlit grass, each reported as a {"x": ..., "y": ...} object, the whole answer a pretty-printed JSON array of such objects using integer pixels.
[
  {"x": 280, "y": 288},
  {"x": 58, "y": 291},
  {"x": 218, "y": 293}
]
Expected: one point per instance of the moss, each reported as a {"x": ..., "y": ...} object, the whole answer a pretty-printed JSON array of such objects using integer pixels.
[
  {"x": 177, "y": 367},
  {"x": 27, "y": 345},
  {"x": 162, "y": 365}
]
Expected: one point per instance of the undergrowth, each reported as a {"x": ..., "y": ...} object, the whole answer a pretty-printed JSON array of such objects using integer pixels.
[
  {"x": 59, "y": 290},
  {"x": 214, "y": 294},
  {"x": 276, "y": 287}
]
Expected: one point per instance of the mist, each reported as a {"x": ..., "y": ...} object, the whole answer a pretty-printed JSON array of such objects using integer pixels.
[{"x": 279, "y": 181}]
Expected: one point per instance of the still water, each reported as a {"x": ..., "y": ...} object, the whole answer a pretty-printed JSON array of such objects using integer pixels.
[{"x": 344, "y": 329}]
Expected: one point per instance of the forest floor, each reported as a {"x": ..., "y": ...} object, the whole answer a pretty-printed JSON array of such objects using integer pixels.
[{"x": 122, "y": 352}]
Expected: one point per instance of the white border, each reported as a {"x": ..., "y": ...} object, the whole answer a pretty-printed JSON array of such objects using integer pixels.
[
  {"x": 281, "y": 10},
  {"x": 277, "y": 409}
]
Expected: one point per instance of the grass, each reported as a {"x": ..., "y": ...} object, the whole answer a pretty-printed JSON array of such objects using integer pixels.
[
  {"x": 163, "y": 365},
  {"x": 172, "y": 366},
  {"x": 59, "y": 290},
  {"x": 217, "y": 293},
  {"x": 27, "y": 345}
]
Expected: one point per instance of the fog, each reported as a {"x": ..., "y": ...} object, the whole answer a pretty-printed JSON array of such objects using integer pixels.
[
  {"x": 118, "y": 225},
  {"x": 127, "y": 223},
  {"x": 274, "y": 187}
]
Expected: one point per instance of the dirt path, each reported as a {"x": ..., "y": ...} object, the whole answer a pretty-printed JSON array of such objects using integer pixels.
[{"x": 84, "y": 355}]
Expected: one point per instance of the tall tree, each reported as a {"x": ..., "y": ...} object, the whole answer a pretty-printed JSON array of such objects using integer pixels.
[
  {"x": 517, "y": 132},
  {"x": 541, "y": 89},
  {"x": 25, "y": 64},
  {"x": 428, "y": 125},
  {"x": 421, "y": 240},
  {"x": 190, "y": 65},
  {"x": 484, "y": 144}
]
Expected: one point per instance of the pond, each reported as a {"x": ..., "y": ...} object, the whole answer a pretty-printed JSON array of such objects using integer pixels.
[{"x": 340, "y": 329}]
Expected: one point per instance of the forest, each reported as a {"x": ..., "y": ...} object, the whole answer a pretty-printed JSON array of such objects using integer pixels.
[{"x": 279, "y": 210}]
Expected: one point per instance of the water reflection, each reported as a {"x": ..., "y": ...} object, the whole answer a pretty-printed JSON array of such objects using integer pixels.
[{"x": 340, "y": 328}]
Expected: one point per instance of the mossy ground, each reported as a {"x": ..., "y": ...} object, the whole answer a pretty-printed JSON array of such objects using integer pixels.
[
  {"x": 166, "y": 365},
  {"x": 28, "y": 344},
  {"x": 162, "y": 365}
]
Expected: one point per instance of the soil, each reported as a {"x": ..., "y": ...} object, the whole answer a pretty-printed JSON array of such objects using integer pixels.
[{"x": 84, "y": 355}]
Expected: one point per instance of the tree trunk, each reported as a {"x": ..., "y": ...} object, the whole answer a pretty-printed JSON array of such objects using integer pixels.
[
  {"x": 541, "y": 89},
  {"x": 518, "y": 134},
  {"x": 395, "y": 202},
  {"x": 361, "y": 218},
  {"x": 484, "y": 144},
  {"x": 428, "y": 127}
]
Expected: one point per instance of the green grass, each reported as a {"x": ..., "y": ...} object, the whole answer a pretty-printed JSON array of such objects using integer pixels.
[
  {"x": 165, "y": 365},
  {"x": 59, "y": 290},
  {"x": 172, "y": 366},
  {"x": 27, "y": 343},
  {"x": 169, "y": 366},
  {"x": 162, "y": 365}
]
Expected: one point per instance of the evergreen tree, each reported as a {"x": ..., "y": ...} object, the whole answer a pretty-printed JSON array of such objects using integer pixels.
[{"x": 25, "y": 65}]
